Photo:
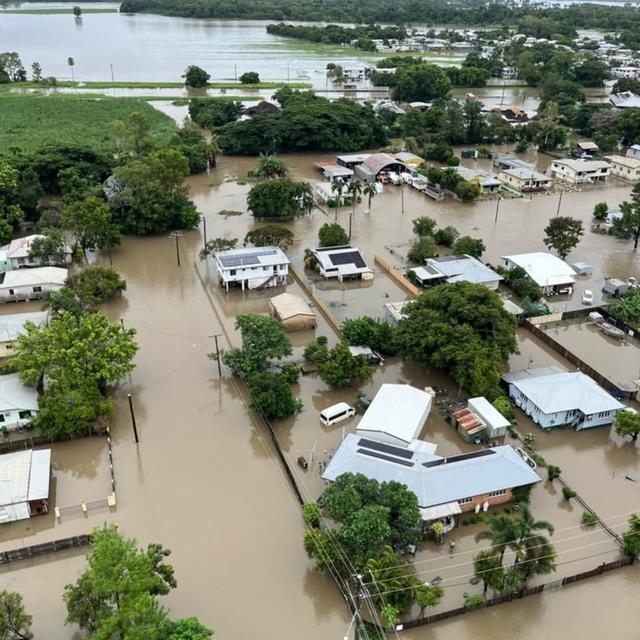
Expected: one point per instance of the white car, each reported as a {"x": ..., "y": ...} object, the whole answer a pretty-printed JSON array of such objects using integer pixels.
[
  {"x": 587, "y": 297},
  {"x": 394, "y": 177}
]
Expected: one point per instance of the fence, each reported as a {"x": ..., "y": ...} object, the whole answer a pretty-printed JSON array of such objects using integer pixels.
[
  {"x": 310, "y": 290},
  {"x": 23, "y": 553},
  {"x": 527, "y": 591},
  {"x": 578, "y": 362},
  {"x": 17, "y": 442},
  {"x": 397, "y": 276}
]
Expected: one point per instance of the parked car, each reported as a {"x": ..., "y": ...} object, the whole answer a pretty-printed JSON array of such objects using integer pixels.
[
  {"x": 587, "y": 297},
  {"x": 336, "y": 413}
]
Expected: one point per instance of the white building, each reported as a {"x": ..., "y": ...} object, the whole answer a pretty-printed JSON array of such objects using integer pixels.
[
  {"x": 252, "y": 267},
  {"x": 396, "y": 415},
  {"x": 554, "y": 398},
  {"x": 30, "y": 284},
  {"x": 544, "y": 269},
  {"x": 24, "y": 484},
  {"x": 393, "y": 311},
  {"x": 488, "y": 182},
  {"x": 496, "y": 423},
  {"x": 464, "y": 268},
  {"x": 15, "y": 255},
  {"x": 625, "y": 100},
  {"x": 344, "y": 263},
  {"x": 579, "y": 171},
  {"x": 634, "y": 151},
  {"x": 625, "y": 168},
  {"x": 13, "y": 325},
  {"x": 525, "y": 179},
  {"x": 18, "y": 403},
  {"x": 625, "y": 72}
]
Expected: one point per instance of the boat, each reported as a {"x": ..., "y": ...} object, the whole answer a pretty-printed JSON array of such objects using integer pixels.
[{"x": 612, "y": 331}]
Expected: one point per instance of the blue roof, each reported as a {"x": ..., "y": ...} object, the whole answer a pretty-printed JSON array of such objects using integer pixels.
[{"x": 435, "y": 480}]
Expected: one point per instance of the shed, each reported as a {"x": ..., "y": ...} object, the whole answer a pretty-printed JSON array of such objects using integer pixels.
[
  {"x": 396, "y": 415},
  {"x": 496, "y": 423},
  {"x": 292, "y": 311},
  {"x": 546, "y": 270},
  {"x": 24, "y": 484},
  {"x": 376, "y": 164}
]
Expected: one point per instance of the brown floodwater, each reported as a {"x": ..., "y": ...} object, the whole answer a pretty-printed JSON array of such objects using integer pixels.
[{"x": 204, "y": 480}]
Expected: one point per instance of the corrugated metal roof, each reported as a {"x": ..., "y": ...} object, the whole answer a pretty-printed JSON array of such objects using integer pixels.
[
  {"x": 34, "y": 277},
  {"x": 12, "y": 326},
  {"x": 545, "y": 269},
  {"x": 40, "y": 474},
  {"x": 14, "y": 477},
  {"x": 376, "y": 162},
  {"x": 485, "y": 410},
  {"x": 288, "y": 305},
  {"x": 16, "y": 396}
]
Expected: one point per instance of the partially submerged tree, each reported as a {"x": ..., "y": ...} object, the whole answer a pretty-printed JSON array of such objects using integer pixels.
[
  {"x": 467, "y": 245},
  {"x": 50, "y": 247},
  {"x": 195, "y": 76},
  {"x": 627, "y": 423},
  {"x": 332, "y": 235},
  {"x": 95, "y": 284},
  {"x": 281, "y": 198},
  {"x": 370, "y": 332},
  {"x": 269, "y": 235},
  {"x": 15, "y": 622},
  {"x": 218, "y": 244},
  {"x": 269, "y": 167},
  {"x": 631, "y": 215},
  {"x": 342, "y": 369},
  {"x": 563, "y": 234}
]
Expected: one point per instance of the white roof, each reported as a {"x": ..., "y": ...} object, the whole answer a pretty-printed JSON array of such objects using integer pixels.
[
  {"x": 440, "y": 511},
  {"x": 558, "y": 391},
  {"x": 20, "y": 247},
  {"x": 625, "y": 161},
  {"x": 34, "y": 277},
  {"x": 545, "y": 269},
  {"x": 40, "y": 474},
  {"x": 24, "y": 476},
  {"x": 334, "y": 170},
  {"x": 395, "y": 309},
  {"x": 487, "y": 412},
  {"x": 12, "y": 326},
  {"x": 464, "y": 268},
  {"x": 526, "y": 174},
  {"x": 14, "y": 477},
  {"x": 342, "y": 261},
  {"x": 288, "y": 305},
  {"x": 399, "y": 410},
  {"x": 587, "y": 144},
  {"x": 582, "y": 165},
  {"x": 484, "y": 178},
  {"x": 250, "y": 257},
  {"x": 16, "y": 396}
]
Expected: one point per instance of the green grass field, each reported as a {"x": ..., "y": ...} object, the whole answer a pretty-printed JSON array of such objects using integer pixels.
[{"x": 31, "y": 121}]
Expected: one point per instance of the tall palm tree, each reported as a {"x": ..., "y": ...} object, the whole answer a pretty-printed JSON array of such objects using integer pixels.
[
  {"x": 502, "y": 532},
  {"x": 370, "y": 191},
  {"x": 336, "y": 187}
]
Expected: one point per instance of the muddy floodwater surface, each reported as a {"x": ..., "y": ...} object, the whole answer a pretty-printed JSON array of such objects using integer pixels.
[{"x": 204, "y": 479}]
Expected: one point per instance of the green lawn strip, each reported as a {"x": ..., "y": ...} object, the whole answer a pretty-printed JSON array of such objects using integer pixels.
[{"x": 40, "y": 120}]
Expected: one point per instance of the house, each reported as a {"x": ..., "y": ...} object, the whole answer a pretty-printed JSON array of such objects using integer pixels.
[
  {"x": 334, "y": 172},
  {"x": 351, "y": 161},
  {"x": 625, "y": 100},
  {"x": 634, "y": 151},
  {"x": 344, "y": 263},
  {"x": 511, "y": 115},
  {"x": 625, "y": 168},
  {"x": 445, "y": 487},
  {"x": 525, "y": 180},
  {"x": 573, "y": 171},
  {"x": 496, "y": 423},
  {"x": 546, "y": 270},
  {"x": 378, "y": 164},
  {"x": 30, "y": 284},
  {"x": 24, "y": 484},
  {"x": 426, "y": 276},
  {"x": 585, "y": 149},
  {"x": 393, "y": 311},
  {"x": 509, "y": 73},
  {"x": 464, "y": 268},
  {"x": 506, "y": 161},
  {"x": 396, "y": 415},
  {"x": 18, "y": 403},
  {"x": 252, "y": 267},
  {"x": 411, "y": 160},
  {"x": 555, "y": 398},
  {"x": 13, "y": 325},
  {"x": 625, "y": 72},
  {"x": 292, "y": 311},
  {"x": 15, "y": 255},
  {"x": 488, "y": 182}
]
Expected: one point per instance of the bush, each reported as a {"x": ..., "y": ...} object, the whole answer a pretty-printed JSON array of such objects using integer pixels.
[
  {"x": 250, "y": 77},
  {"x": 316, "y": 351},
  {"x": 600, "y": 211},
  {"x": 446, "y": 236},
  {"x": 522, "y": 494},
  {"x": 588, "y": 518},
  {"x": 538, "y": 459},
  {"x": 331, "y": 234},
  {"x": 421, "y": 249},
  {"x": 504, "y": 406},
  {"x": 94, "y": 285},
  {"x": 341, "y": 369},
  {"x": 291, "y": 372},
  {"x": 473, "y": 602},
  {"x": 529, "y": 438},
  {"x": 312, "y": 515},
  {"x": 568, "y": 493},
  {"x": 370, "y": 332},
  {"x": 553, "y": 472},
  {"x": 473, "y": 247},
  {"x": 196, "y": 77}
]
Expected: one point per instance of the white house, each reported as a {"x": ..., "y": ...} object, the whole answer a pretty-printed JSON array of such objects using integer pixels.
[
  {"x": 634, "y": 151},
  {"x": 625, "y": 168},
  {"x": 554, "y": 398},
  {"x": 18, "y": 403},
  {"x": 396, "y": 415},
  {"x": 625, "y": 100},
  {"x": 546, "y": 270},
  {"x": 575, "y": 171},
  {"x": 15, "y": 255},
  {"x": 625, "y": 72},
  {"x": 393, "y": 311},
  {"x": 252, "y": 267},
  {"x": 344, "y": 263},
  {"x": 30, "y": 284},
  {"x": 525, "y": 180},
  {"x": 24, "y": 484},
  {"x": 12, "y": 326}
]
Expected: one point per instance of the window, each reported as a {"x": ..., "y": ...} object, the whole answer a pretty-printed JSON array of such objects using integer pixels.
[
  {"x": 232, "y": 272},
  {"x": 11, "y": 292},
  {"x": 502, "y": 492},
  {"x": 465, "y": 501},
  {"x": 1, "y": 417},
  {"x": 24, "y": 414},
  {"x": 37, "y": 289}
]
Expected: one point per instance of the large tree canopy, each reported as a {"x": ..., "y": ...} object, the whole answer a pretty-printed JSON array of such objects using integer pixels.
[{"x": 463, "y": 329}]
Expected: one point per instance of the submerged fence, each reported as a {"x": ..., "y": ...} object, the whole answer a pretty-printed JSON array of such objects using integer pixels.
[{"x": 24, "y": 553}]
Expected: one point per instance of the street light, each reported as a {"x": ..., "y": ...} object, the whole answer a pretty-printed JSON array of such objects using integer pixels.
[{"x": 177, "y": 235}]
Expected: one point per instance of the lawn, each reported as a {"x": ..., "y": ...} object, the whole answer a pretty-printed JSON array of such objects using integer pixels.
[{"x": 31, "y": 121}]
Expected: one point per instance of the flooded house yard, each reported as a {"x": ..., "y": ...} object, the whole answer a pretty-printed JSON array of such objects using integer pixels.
[{"x": 205, "y": 480}]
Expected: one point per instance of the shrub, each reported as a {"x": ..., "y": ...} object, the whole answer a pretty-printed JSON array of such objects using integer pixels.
[
  {"x": 473, "y": 602},
  {"x": 553, "y": 472},
  {"x": 588, "y": 518},
  {"x": 529, "y": 438},
  {"x": 446, "y": 236},
  {"x": 538, "y": 459},
  {"x": 312, "y": 514},
  {"x": 291, "y": 372},
  {"x": 331, "y": 234},
  {"x": 94, "y": 285},
  {"x": 568, "y": 493},
  {"x": 522, "y": 494},
  {"x": 504, "y": 406},
  {"x": 600, "y": 211},
  {"x": 421, "y": 249}
]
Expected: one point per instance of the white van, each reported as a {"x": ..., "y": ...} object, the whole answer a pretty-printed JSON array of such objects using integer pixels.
[{"x": 336, "y": 413}]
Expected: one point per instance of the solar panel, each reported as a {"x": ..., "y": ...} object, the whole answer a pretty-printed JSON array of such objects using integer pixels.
[
  {"x": 374, "y": 454},
  {"x": 433, "y": 463},
  {"x": 348, "y": 257},
  {"x": 243, "y": 259},
  {"x": 469, "y": 456},
  {"x": 385, "y": 448}
]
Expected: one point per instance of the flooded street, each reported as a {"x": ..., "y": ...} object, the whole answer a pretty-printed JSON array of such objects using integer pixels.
[{"x": 204, "y": 480}]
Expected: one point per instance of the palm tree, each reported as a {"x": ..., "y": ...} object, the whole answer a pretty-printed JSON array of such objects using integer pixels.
[
  {"x": 354, "y": 190},
  {"x": 502, "y": 532},
  {"x": 371, "y": 192},
  {"x": 71, "y": 62}
]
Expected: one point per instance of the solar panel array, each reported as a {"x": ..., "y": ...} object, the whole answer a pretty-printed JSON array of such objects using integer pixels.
[
  {"x": 459, "y": 458},
  {"x": 244, "y": 259},
  {"x": 381, "y": 456},
  {"x": 386, "y": 448},
  {"x": 348, "y": 257}
]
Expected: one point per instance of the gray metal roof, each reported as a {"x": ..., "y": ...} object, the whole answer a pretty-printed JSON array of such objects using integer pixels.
[
  {"x": 435, "y": 480},
  {"x": 251, "y": 256},
  {"x": 16, "y": 396},
  {"x": 12, "y": 326},
  {"x": 464, "y": 268}
]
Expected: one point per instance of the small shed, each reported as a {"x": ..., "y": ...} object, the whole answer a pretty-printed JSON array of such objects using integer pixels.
[
  {"x": 24, "y": 484},
  {"x": 496, "y": 423},
  {"x": 292, "y": 311},
  {"x": 468, "y": 425}
]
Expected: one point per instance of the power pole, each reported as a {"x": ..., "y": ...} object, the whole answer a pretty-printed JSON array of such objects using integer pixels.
[
  {"x": 215, "y": 337},
  {"x": 177, "y": 235},
  {"x": 559, "y": 202},
  {"x": 133, "y": 419},
  {"x": 358, "y": 595},
  {"x": 497, "y": 207},
  {"x": 204, "y": 233},
  {"x": 402, "y": 196},
  {"x": 112, "y": 77},
  {"x": 350, "y": 219}
]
